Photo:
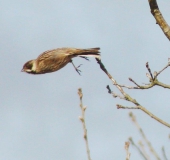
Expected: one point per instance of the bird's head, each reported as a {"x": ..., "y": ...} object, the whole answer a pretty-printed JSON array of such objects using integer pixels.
[{"x": 29, "y": 67}]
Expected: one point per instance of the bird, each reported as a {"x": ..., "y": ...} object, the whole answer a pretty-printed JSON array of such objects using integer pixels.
[{"x": 53, "y": 60}]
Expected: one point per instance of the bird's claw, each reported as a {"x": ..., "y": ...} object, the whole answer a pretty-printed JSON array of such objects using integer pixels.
[
  {"x": 78, "y": 70},
  {"x": 79, "y": 66},
  {"x": 86, "y": 58}
]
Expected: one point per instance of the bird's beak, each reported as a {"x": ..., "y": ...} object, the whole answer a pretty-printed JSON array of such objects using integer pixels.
[{"x": 22, "y": 70}]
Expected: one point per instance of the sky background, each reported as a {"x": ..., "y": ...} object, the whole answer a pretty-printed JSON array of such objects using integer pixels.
[{"x": 39, "y": 113}]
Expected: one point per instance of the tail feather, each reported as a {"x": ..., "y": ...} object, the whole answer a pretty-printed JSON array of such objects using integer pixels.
[{"x": 92, "y": 52}]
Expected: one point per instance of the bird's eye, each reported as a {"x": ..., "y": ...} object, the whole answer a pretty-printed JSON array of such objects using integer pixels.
[{"x": 29, "y": 66}]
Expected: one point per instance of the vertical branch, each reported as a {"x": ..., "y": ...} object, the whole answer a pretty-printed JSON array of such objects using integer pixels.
[
  {"x": 164, "y": 154},
  {"x": 159, "y": 18},
  {"x": 82, "y": 118},
  {"x": 143, "y": 150},
  {"x": 144, "y": 136},
  {"x": 138, "y": 149},
  {"x": 127, "y": 144}
]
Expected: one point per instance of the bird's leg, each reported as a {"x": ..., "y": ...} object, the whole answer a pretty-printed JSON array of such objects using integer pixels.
[{"x": 76, "y": 68}]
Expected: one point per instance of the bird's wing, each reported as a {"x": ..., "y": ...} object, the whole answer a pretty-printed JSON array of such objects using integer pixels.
[
  {"x": 70, "y": 52},
  {"x": 55, "y": 56},
  {"x": 55, "y": 53},
  {"x": 46, "y": 55}
]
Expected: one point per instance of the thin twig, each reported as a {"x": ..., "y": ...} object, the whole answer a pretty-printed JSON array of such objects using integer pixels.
[
  {"x": 114, "y": 94},
  {"x": 162, "y": 70},
  {"x": 164, "y": 154},
  {"x": 127, "y": 144},
  {"x": 129, "y": 87},
  {"x": 125, "y": 107},
  {"x": 82, "y": 118},
  {"x": 139, "y": 150},
  {"x": 143, "y": 150},
  {"x": 130, "y": 79},
  {"x": 144, "y": 136},
  {"x": 147, "y": 66},
  {"x": 110, "y": 77}
]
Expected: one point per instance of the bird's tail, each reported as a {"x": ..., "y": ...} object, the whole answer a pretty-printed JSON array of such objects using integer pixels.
[{"x": 92, "y": 52}]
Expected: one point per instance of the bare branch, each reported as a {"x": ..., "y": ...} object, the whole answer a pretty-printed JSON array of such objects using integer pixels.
[
  {"x": 164, "y": 154},
  {"x": 130, "y": 79},
  {"x": 143, "y": 150},
  {"x": 109, "y": 90},
  {"x": 144, "y": 136},
  {"x": 114, "y": 94},
  {"x": 110, "y": 77},
  {"x": 162, "y": 85},
  {"x": 82, "y": 118},
  {"x": 127, "y": 97},
  {"x": 159, "y": 18},
  {"x": 139, "y": 150},
  {"x": 127, "y": 144},
  {"x": 123, "y": 107},
  {"x": 162, "y": 70},
  {"x": 147, "y": 66},
  {"x": 152, "y": 84},
  {"x": 153, "y": 79},
  {"x": 129, "y": 87}
]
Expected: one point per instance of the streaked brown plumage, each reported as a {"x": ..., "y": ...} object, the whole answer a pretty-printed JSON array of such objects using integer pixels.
[{"x": 53, "y": 60}]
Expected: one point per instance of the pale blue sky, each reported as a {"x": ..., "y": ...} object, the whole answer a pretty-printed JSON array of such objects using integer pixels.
[{"x": 39, "y": 113}]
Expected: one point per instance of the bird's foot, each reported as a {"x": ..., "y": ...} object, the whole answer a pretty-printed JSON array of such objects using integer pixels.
[
  {"x": 76, "y": 68},
  {"x": 85, "y": 58}
]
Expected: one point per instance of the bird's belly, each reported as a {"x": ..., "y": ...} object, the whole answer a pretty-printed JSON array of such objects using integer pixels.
[{"x": 53, "y": 66}]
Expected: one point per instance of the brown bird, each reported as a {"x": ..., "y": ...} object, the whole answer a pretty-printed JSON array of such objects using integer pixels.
[{"x": 53, "y": 60}]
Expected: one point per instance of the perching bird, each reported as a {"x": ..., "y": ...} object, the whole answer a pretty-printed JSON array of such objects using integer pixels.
[{"x": 53, "y": 60}]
